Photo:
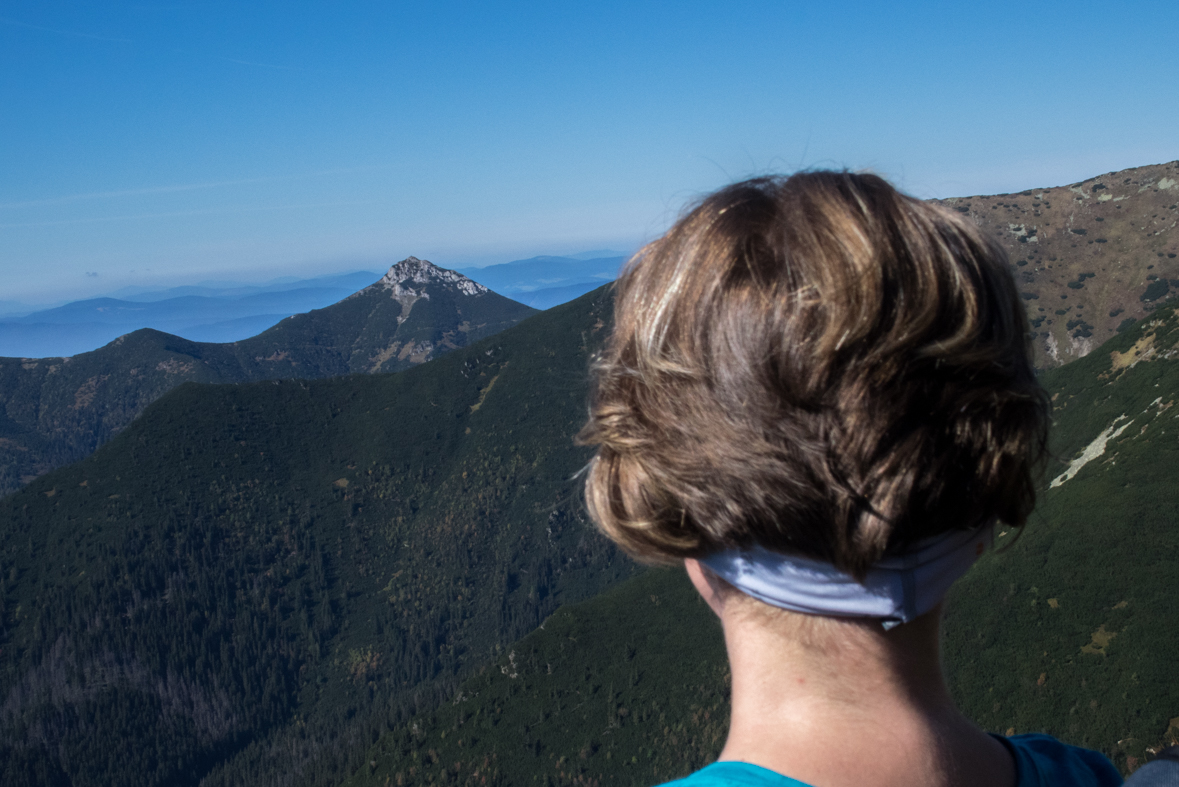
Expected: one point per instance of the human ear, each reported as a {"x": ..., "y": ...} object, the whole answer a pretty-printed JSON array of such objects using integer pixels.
[{"x": 705, "y": 585}]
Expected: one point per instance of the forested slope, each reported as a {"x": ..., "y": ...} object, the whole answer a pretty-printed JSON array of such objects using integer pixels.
[
  {"x": 250, "y": 581},
  {"x": 253, "y": 581},
  {"x": 1067, "y": 629}
]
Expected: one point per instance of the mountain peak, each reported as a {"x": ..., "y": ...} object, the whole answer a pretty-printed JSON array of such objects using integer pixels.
[{"x": 411, "y": 270}]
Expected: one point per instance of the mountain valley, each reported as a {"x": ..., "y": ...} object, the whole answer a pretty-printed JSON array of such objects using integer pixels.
[
  {"x": 272, "y": 563},
  {"x": 275, "y": 570}
]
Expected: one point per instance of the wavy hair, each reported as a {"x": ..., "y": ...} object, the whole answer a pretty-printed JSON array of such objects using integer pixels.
[{"x": 818, "y": 364}]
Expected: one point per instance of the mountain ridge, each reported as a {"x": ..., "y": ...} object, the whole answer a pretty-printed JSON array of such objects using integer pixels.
[
  {"x": 84, "y": 325},
  {"x": 1091, "y": 257},
  {"x": 57, "y": 410},
  {"x": 323, "y": 558}
]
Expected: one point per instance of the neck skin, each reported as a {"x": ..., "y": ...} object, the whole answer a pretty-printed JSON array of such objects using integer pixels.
[{"x": 842, "y": 703}]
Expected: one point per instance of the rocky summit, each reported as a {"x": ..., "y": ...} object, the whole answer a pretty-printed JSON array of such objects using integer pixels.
[
  {"x": 58, "y": 410},
  {"x": 411, "y": 270}
]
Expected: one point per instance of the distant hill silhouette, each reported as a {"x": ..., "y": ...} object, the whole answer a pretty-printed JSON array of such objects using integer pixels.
[
  {"x": 210, "y": 312},
  {"x": 58, "y": 410},
  {"x": 555, "y": 277},
  {"x": 353, "y": 281},
  {"x": 555, "y": 296}
]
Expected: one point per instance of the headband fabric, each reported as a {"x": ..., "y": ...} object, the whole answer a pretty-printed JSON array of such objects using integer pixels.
[{"x": 896, "y": 589}]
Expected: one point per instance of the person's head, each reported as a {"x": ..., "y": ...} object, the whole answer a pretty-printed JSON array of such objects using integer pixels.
[{"x": 816, "y": 364}]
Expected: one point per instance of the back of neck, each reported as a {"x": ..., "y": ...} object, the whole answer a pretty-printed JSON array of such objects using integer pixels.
[{"x": 835, "y": 702}]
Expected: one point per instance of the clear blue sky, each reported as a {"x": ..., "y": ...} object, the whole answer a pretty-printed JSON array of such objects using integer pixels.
[{"x": 165, "y": 143}]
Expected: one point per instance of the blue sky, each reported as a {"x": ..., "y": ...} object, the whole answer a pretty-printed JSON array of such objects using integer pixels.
[{"x": 167, "y": 143}]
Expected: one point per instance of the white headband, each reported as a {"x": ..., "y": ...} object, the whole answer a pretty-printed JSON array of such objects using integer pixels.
[{"x": 896, "y": 589}]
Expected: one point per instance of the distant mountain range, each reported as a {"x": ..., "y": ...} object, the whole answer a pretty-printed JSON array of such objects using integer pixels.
[
  {"x": 544, "y": 282},
  {"x": 58, "y": 410},
  {"x": 221, "y": 312},
  {"x": 198, "y": 313},
  {"x": 235, "y": 289},
  {"x": 1090, "y": 258}
]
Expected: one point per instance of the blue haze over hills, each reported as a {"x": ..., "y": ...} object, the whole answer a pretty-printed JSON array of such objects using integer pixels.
[
  {"x": 214, "y": 312},
  {"x": 544, "y": 282},
  {"x": 223, "y": 312}
]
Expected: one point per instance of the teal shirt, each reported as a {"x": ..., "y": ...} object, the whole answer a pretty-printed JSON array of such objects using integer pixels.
[
  {"x": 1040, "y": 761},
  {"x": 736, "y": 774}
]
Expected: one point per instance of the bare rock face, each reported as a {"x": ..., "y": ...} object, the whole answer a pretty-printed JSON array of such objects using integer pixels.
[
  {"x": 402, "y": 276},
  {"x": 409, "y": 280}
]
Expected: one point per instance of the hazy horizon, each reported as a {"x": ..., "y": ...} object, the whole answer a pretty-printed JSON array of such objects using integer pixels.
[
  {"x": 157, "y": 144},
  {"x": 168, "y": 280}
]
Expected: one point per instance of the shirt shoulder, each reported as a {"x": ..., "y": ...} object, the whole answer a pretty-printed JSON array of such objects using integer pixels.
[
  {"x": 735, "y": 774},
  {"x": 1043, "y": 761}
]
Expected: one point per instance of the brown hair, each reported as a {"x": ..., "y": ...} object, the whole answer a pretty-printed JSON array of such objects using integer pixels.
[{"x": 817, "y": 364}]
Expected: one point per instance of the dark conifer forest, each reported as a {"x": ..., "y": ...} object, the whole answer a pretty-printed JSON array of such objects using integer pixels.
[
  {"x": 252, "y": 581},
  {"x": 1066, "y": 628}
]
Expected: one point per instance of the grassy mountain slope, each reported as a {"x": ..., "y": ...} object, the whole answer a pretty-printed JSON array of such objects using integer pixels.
[
  {"x": 251, "y": 580},
  {"x": 58, "y": 410},
  {"x": 1072, "y": 631},
  {"x": 1089, "y": 257},
  {"x": 1069, "y": 630}
]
